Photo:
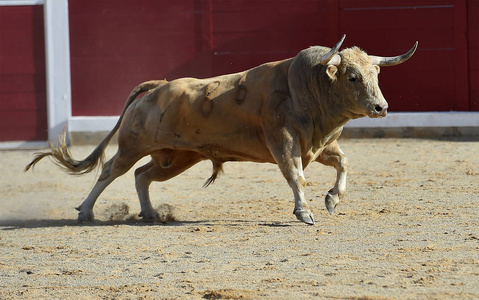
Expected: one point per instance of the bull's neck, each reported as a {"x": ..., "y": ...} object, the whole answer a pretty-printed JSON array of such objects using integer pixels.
[
  {"x": 328, "y": 125},
  {"x": 319, "y": 108},
  {"x": 325, "y": 121}
]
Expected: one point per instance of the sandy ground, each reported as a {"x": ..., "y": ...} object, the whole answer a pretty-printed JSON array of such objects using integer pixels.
[{"x": 408, "y": 229}]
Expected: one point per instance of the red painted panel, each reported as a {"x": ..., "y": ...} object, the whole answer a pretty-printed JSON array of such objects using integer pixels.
[
  {"x": 392, "y": 4},
  {"x": 391, "y": 28},
  {"x": 272, "y": 6},
  {"x": 23, "y": 113},
  {"x": 237, "y": 63},
  {"x": 397, "y": 29},
  {"x": 461, "y": 77},
  {"x": 109, "y": 80},
  {"x": 117, "y": 44},
  {"x": 473, "y": 47},
  {"x": 243, "y": 37}
]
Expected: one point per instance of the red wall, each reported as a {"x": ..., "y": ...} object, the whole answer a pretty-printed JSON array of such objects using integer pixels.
[
  {"x": 117, "y": 44},
  {"x": 473, "y": 52},
  {"x": 23, "y": 114},
  {"x": 426, "y": 82}
]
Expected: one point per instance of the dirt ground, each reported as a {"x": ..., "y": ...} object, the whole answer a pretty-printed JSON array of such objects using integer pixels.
[{"x": 408, "y": 229}]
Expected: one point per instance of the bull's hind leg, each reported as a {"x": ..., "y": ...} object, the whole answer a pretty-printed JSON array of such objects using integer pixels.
[
  {"x": 115, "y": 167},
  {"x": 165, "y": 164},
  {"x": 333, "y": 156}
]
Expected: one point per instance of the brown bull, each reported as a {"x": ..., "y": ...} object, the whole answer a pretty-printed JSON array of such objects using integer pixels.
[{"x": 287, "y": 112}]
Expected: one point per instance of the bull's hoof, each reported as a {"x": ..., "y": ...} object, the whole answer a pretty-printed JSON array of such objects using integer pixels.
[
  {"x": 304, "y": 215},
  {"x": 85, "y": 217},
  {"x": 331, "y": 202},
  {"x": 149, "y": 215}
]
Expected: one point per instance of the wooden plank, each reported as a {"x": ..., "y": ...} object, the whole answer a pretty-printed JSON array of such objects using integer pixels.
[
  {"x": 115, "y": 45},
  {"x": 253, "y": 21},
  {"x": 461, "y": 66},
  {"x": 385, "y": 41},
  {"x": 275, "y": 42},
  {"x": 393, "y": 4},
  {"x": 418, "y": 84},
  {"x": 22, "y": 101},
  {"x": 23, "y": 113},
  {"x": 334, "y": 21},
  {"x": 418, "y": 92},
  {"x": 400, "y": 28},
  {"x": 133, "y": 41},
  {"x": 100, "y": 85},
  {"x": 19, "y": 82},
  {"x": 122, "y": 28},
  {"x": 21, "y": 2},
  {"x": 225, "y": 64},
  {"x": 267, "y": 6},
  {"x": 407, "y": 87},
  {"x": 17, "y": 125},
  {"x": 473, "y": 51},
  {"x": 244, "y": 38},
  {"x": 394, "y": 19}
]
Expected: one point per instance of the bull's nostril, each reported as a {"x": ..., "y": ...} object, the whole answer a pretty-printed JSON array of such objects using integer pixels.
[{"x": 378, "y": 108}]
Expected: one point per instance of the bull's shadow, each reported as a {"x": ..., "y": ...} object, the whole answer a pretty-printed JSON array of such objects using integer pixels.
[
  {"x": 14, "y": 224},
  {"x": 45, "y": 223}
]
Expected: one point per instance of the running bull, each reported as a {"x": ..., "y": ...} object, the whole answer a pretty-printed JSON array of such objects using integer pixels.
[{"x": 288, "y": 112}]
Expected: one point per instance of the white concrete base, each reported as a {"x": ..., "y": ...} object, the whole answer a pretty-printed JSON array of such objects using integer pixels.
[
  {"x": 92, "y": 124},
  {"x": 419, "y": 119},
  {"x": 23, "y": 145},
  {"x": 402, "y": 119},
  {"x": 94, "y": 128}
]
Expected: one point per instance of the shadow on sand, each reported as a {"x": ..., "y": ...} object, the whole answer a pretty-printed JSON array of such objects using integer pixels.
[{"x": 14, "y": 224}]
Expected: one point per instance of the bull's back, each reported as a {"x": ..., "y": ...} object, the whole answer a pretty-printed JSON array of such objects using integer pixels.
[{"x": 220, "y": 116}]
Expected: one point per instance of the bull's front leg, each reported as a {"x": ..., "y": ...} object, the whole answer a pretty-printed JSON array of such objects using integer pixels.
[
  {"x": 296, "y": 181},
  {"x": 287, "y": 154},
  {"x": 333, "y": 156}
]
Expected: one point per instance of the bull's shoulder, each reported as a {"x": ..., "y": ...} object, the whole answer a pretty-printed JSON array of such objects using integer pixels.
[
  {"x": 189, "y": 85},
  {"x": 314, "y": 51},
  {"x": 271, "y": 72},
  {"x": 264, "y": 75}
]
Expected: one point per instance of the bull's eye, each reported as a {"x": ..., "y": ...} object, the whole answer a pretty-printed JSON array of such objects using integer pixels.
[{"x": 352, "y": 78}]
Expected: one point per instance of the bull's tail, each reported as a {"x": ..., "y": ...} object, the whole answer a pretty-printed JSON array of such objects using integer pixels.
[
  {"x": 217, "y": 168},
  {"x": 61, "y": 154}
]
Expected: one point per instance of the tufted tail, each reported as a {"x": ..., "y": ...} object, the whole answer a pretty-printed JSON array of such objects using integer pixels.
[{"x": 61, "y": 154}]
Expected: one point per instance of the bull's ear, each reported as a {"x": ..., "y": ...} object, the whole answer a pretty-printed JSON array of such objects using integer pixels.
[
  {"x": 331, "y": 71},
  {"x": 378, "y": 68}
]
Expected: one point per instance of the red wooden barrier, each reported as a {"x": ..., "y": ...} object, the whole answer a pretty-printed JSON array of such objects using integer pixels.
[
  {"x": 116, "y": 45},
  {"x": 473, "y": 52},
  {"x": 23, "y": 114}
]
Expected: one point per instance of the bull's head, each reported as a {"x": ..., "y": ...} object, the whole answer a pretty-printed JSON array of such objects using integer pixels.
[{"x": 354, "y": 76}]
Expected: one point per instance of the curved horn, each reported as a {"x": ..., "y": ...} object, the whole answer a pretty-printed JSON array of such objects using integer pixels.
[
  {"x": 392, "y": 61},
  {"x": 331, "y": 58}
]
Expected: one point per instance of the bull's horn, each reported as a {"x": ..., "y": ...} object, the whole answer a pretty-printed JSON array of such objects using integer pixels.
[
  {"x": 331, "y": 58},
  {"x": 392, "y": 61}
]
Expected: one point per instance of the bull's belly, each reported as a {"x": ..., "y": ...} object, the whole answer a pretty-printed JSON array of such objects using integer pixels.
[
  {"x": 220, "y": 143},
  {"x": 254, "y": 153},
  {"x": 222, "y": 148}
]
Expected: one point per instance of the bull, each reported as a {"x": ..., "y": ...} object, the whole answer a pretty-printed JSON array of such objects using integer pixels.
[{"x": 288, "y": 113}]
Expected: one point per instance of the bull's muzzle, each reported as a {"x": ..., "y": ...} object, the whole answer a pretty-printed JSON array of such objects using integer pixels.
[
  {"x": 382, "y": 110},
  {"x": 379, "y": 110}
]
